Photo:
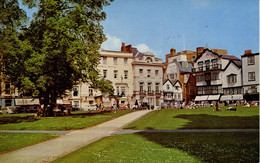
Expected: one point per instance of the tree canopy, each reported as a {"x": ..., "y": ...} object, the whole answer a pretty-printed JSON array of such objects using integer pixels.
[{"x": 58, "y": 49}]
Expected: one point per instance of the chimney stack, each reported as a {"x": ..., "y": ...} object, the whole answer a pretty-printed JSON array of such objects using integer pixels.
[
  {"x": 173, "y": 50},
  {"x": 199, "y": 50},
  {"x": 247, "y": 52}
]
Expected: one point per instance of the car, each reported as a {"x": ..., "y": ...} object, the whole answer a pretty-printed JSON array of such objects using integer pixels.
[
  {"x": 90, "y": 107},
  {"x": 7, "y": 110}
]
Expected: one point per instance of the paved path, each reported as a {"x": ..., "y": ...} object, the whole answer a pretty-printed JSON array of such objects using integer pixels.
[
  {"x": 35, "y": 132},
  {"x": 122, "y": 132},
  {"x": 55, "y": 148}
]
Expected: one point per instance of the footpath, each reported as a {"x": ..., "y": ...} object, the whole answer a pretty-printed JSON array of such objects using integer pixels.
[{"x": 52, "y": 149}]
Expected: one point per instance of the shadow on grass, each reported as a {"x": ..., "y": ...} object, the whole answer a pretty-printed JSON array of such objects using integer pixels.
[
  {"x": 211, "y": 147},
  {"x": 17, "y": 119},
  {"x": 205, "y": 121},
  {"x": 91, "y": 113}
]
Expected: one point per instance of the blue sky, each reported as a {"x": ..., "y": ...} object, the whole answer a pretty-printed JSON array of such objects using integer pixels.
[{"x": 159, "y": 25}]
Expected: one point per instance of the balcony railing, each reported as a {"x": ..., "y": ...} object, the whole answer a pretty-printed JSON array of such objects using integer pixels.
[{"x": 207, "y": 68}]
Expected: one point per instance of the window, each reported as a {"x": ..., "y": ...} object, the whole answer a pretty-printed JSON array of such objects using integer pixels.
[
  {"x": 148, "y": 60},
  {"x": 141, "y": 71},
  {"x": 172, "y": 76},
  {"x": 104, "y": 73},
  {"x": 125, "y": 74},
  {"x": 115, "y": 61},
  {"x": 215, "y": 76},
  {"x": 7, "y": 88},
  {"x": 169, "y": 95},
  {"x": 148, "y": 73},
  {"x": 141, "y": 86},
  {"x": 251, "y": 60},
  {"x": 200, "y": 65},
  {"x": 179, "y": 96},
  {"x": 8, "y": 102},
  {"x": 125, "y": 61},
  {"x": 76, "y": 91},
  {"x": 168, "y": 87},
  {"x": 207, "y": 62},
  {"x": 122, "y": 90},
  {"x": 156, "y": 72},
  {"x": 214, "y": 63},
  {"x": 90, "y": 90},
  {"x": 104, "y": 60},
  {"x": 115, "y": 73},
  {"x": 232, "y": 78},
  {"x": 177, "y": 87},
  {"x": 251, "y": 76},
  {"x": 157, "y": 87},
  {"x": 149, "y": 87},
  {"x": 117, "y": 90}
]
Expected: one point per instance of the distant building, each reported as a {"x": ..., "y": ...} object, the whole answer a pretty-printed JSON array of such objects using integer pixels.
[
  {"x": 172, "y": 92},
  {"x": 115, "y": 66},
  {"x": 250, "y": 69},
  {"x": 178, "y": 67},
  {"x": 148, "y": 75},
  {"x": 218, "y": 76}
]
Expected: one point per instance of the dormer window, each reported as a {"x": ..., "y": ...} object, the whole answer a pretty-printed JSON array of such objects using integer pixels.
[
  {"x": 149, "y": 60},
  {"x": 232, "y": 78}
]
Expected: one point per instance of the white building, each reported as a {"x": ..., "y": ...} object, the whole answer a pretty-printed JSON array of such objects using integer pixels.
[
  {"x": 172, "y": 92},
  {"x": 115, "y": 66},
  {"x": 217, "y": 75},
  {"x": 148, "y": 78},
  {"x": 250, "y": 69}
]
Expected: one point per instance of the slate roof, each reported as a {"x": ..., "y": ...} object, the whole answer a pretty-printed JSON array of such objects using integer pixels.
[{"x": 184, "y": 69}]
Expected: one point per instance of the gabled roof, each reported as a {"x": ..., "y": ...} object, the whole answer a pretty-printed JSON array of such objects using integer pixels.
[
  {"x": 224, "y": 56},
  {"x": 177, "y": 81},
  {"x": 236, "y": 63},
  {"x": 169, "y": 81},
  {"x": 184, "y": 69}
]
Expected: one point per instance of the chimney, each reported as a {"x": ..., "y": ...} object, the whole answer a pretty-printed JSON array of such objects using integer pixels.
[
  {"x": 129, "y": 48},
  {"x": 199, "y": 50},
  {"x": 173, "y": 50},
  {"x": 123, "y": 48},
  {"x": 247, "y": 52}
]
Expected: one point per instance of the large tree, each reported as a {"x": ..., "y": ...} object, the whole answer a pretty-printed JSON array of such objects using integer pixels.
[{"x": 59, "y": 48}]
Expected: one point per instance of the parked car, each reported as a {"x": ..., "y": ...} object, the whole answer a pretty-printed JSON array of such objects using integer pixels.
[
  {"x": 90, "y": 107},
  {"x": 7, "y": 110}
]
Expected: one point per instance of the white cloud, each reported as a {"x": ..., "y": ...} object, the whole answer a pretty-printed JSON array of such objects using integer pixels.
[
  {"x": 143, "y": 48},
  {"x": 112, "y": 43}
]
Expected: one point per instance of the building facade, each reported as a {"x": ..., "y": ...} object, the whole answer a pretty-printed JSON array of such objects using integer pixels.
[
  {"x": 115, "y": 66},
  {"x": 148, "y": 78},
  {"x": 216, "y": 75},
  {"x": 250, "y": 70}
]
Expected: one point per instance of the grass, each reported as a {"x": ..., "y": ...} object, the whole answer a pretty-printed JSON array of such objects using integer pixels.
[
  {"x": 77, "y": 121},
  {"x": 170, "y": 147},
  {"x": 12, "y": 141},
  {"x": 201, "y": 118}
]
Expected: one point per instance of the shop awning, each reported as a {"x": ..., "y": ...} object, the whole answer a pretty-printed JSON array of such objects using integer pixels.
[
  {"x": 201, "y": 98},
  {"x": 226, "y": 98},
  {"x": 213, "y": 97},
  {"x": 237, "y": 97},
  {"x": 27, "y": 101}
]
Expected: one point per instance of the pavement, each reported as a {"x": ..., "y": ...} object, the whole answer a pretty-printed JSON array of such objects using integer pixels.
[{"x": 68, "y": 142}]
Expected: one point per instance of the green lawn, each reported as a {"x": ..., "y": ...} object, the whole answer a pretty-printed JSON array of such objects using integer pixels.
[
  {"x": 12, "y": 141},
  {"x": 170, "y": 147},
  {"x": 201, "y": 118},
  {"x": 77, "y": 121}
]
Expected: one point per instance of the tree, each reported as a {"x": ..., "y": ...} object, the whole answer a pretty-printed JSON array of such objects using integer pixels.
[{"x": 60, "y": 48}]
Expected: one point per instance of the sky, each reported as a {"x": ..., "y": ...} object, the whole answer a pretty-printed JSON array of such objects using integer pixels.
[{"x": 159, "y": 25}]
